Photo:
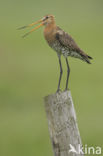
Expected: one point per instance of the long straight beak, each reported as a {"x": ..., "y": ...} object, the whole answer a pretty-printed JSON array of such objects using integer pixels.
[
  {"x": 30, "y": 25},
  {"x": 32, "y": 30}
]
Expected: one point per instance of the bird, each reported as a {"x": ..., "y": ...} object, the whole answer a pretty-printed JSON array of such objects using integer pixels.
[{"x": 61, "y": 42}]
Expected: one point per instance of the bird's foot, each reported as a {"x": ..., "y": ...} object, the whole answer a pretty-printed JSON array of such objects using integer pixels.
[
  {"x": 66, "y": 89},
  {"x": 58, "y": 90}
]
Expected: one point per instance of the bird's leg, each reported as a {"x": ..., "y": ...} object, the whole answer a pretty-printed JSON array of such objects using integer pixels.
[
  {"x": 68, "y": 72},
  {"x": 61, "y": 72}
]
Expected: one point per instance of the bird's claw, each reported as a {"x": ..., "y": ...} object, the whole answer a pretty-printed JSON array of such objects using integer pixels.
[
  {"x": 58, "y": 91},
  {"x": 66, "y": 89}
]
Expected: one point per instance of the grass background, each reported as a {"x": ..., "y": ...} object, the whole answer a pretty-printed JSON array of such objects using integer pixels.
[{"x": 29, "y": 70}]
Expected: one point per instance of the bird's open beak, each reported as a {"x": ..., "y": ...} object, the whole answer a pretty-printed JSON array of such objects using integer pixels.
[{"x": 30, "y": 25}]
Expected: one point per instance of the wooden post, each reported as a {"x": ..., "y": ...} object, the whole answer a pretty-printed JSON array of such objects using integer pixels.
[{"x": 62, "y": 123}]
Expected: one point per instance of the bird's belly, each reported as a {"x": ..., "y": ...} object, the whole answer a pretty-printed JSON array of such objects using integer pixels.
[
  {"x": 56, "y": 46},
  {"x": 60, "y": 49},
  {"x": 64, "y": 50}
]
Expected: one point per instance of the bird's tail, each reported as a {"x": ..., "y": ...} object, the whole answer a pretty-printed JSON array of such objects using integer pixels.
[{"x": 88, "y": 58}]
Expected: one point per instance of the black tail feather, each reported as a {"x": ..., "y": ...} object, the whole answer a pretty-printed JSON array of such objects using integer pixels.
[
  {"x": 90, "y": 57},
  {"x": 87, "y": 59}
]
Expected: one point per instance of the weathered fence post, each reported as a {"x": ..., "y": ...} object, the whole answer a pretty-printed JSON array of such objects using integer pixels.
[{"x": 62, "y": 123}]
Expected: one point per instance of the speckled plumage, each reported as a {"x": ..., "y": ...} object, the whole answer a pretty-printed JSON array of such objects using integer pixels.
[{"x": 63, "y": 44}]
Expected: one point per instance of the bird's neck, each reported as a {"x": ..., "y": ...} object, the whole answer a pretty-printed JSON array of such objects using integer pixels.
[
  {"x": 50, "y": 26},
  {"x": 49, "y": 32}
]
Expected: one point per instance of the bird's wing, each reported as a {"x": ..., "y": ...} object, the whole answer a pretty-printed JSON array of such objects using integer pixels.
[{"x": 67, "y": 41}]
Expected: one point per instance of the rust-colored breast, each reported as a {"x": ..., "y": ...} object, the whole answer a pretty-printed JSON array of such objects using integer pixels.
[{"x": 49, "y": 34}]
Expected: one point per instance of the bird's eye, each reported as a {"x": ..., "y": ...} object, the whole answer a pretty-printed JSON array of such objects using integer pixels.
[{"x": 46, "y": 17}]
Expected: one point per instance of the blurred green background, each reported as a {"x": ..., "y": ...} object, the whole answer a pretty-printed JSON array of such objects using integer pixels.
[{"x": 29, "y": 70}]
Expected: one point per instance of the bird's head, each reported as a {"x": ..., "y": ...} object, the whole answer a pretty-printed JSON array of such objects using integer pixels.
[
  {"x": 45, "y": 21},
  {"x": 48, "y": 19}
]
